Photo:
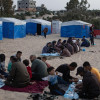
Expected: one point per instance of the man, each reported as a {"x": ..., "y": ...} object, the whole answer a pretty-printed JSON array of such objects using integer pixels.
[
  {"x": 45, "y": 32},
  {"x": 91, "y": 85},
  {"x": 87, "y": 66},
  {"x": 18, "y": 55},
  {"x": 85, "y": 42},
  {"x": 39, "y": 68},
  {"x": 18, "y": 76},
  {"x": 46, "y": 49},
  {"x": 65, "y": 70}
]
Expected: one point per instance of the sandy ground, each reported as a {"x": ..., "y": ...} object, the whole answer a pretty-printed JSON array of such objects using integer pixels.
[{"x": 33, "y": 45}]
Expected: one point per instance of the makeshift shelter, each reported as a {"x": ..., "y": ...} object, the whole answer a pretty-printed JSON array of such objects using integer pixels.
[
  {"x": 34, "y": 26},
  {"x": 13, "y": 28},
  {"x": 56, "y": 27},
  {"x": 75, "y": 28},
  {"x": 97, "y": 33},
  {"x": 1, "y": 36}
]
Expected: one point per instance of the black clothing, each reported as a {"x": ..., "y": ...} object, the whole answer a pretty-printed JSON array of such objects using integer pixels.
[
  {"x": 64, "y": 69},
  {"x": 91, "y": 86},
  {"x": 55, "y": 90},
  {"x": 45, "y": 34},
  {"x": 92, "y": 38}
]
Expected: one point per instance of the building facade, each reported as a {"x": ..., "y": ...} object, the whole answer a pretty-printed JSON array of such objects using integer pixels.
[{"x": 27, "y": 5}]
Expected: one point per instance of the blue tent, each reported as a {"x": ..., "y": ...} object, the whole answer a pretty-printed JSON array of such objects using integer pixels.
[
  {"x": 13, "y": 28},
  {"x": 1, "y": 37},
  {"x": 76, "y": 29},
  {"x": 34, "y": 26}
]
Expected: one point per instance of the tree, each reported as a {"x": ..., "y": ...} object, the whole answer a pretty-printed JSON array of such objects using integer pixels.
[
  {"x": 7, "y": 7},
  {"x": 77, "y": 10},
  {"x": 72, "y": 4}
]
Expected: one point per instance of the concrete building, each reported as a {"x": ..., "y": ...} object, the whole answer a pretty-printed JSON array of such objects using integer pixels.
[{"x": 27, "y": 5}]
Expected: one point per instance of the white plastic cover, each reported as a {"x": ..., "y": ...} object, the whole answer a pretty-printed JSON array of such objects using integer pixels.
[
  {"x": 0, "y": 22},
  {"x": 40, "y": 21},
  {"x": 14, "y": 20},
  {"x": 75, "y": 22},
  {"x": 56, "y": 26}
]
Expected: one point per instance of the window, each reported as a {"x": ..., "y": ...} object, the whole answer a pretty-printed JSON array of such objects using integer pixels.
[
  {"x": 19, "y": 3},
  {"x": 19, "y": 7},
  {"x": 26, "y": 7},
  {"x": 26, "y": 3}
]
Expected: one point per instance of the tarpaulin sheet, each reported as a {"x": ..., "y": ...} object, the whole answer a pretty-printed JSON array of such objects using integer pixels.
[
  {"x": 1, "y": 36},
  {"x": 77, "y": 31},
  {"x": 12, "y": 31}
]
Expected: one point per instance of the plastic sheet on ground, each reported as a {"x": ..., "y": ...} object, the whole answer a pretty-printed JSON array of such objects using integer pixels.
[
  {"x": 70, "y": 93},
  {"x": 50, "y": 54},
  {"x": 1, "y": 83}
]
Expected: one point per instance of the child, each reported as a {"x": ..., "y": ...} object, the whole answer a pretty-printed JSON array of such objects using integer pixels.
[
  {"x": 44, "y": 60},
  {"x": 10, "y": 64},
  {"x": 26, "y": 62},
  {"x": 54, "y": 80}
]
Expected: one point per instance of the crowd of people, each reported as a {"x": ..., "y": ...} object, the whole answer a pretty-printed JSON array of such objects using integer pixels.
[
  {"x": 67, "y": 47},
  {"x": 19, "y": 74}
]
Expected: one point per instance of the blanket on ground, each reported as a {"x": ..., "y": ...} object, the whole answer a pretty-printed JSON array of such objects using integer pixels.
[{"x": 38, "y": 87}]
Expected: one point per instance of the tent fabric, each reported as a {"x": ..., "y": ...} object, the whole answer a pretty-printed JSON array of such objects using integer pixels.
[
  {"x": 77, "y": 29},
  {"x": 13, "y": 28},
  {"x": 31, "y": 26},
  {"x": 1, "y": 36},
  {"x": 75, "y": 22},
  {"x": 13, "y": 20},
  {"x": 56, "y": 27}
]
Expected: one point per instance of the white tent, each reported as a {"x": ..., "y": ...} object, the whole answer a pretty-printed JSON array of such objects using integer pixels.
[{"x": 56, "y": 27}]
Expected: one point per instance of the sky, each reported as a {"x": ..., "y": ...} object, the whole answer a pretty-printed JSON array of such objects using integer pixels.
[{"x": 60, "y": 4}]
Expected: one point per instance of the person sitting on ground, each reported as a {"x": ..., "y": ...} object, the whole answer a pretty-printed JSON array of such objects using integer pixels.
[
  {"x": 87, "y": 66},
  {"x": 55, "y": 48},
  {"x": 26, "y": 62},
  {"x": 91, "y": 85},
  {"x": 70, "y": 48},
  {"x": 10, "y": 64},
  {"x": 64, "y": 43},
  {"x": 65, "y": 70},
  {"x": 59, "y": 43},
  {"x": 18, "y": 76},
  {"x": 54, "y": 80},
  {"x": 85, "y": 42},
  {"x": 39, "y": 68},
  {"x": 39, "y": 58},
  {"x": 46, "y": 49},
  {"x": 65, "y": 52},
  {"x": 2, "y": 65},
  {"x": 79, "y": 44},
  {"x": 18, "y": 56},
  {"x": 70, "y": 41},
  {"x": 44, "y": 60}
]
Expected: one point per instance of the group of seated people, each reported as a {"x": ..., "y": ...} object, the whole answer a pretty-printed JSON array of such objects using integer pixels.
[
  {"x": 67, "y": 47},
  {"x": 20, "y": 75},
  {"x": 88, "y": 89}
]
